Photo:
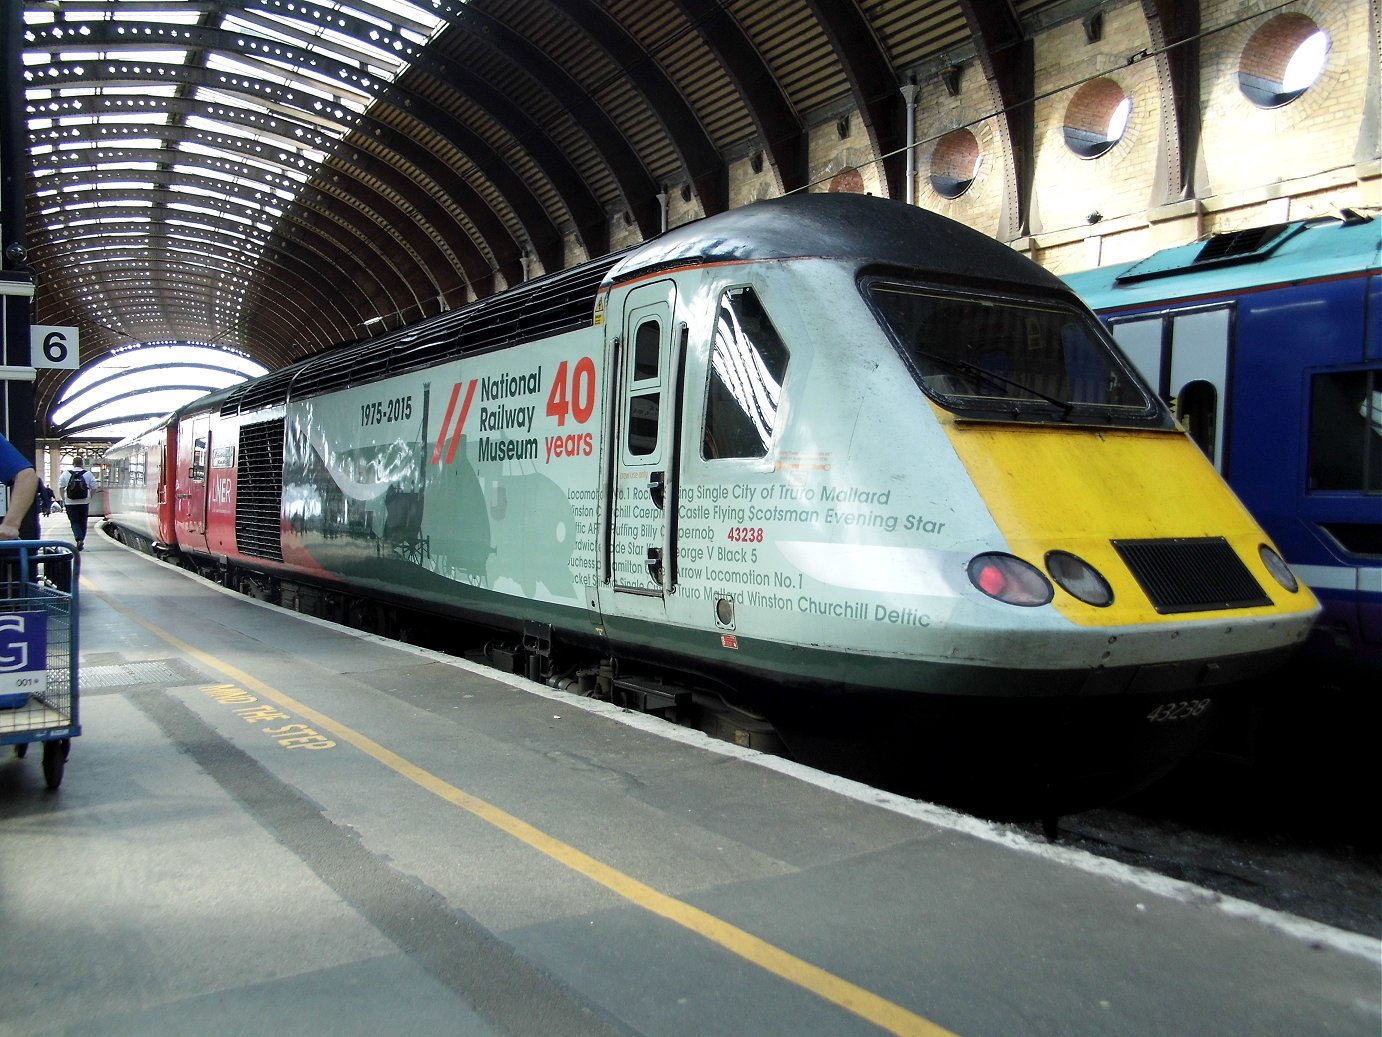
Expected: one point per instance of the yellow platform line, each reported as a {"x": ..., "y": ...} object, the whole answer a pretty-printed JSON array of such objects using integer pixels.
[{"x": 883, "y": 1013}]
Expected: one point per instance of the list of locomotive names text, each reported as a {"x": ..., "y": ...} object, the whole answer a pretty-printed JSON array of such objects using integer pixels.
[{"x": 724, "y": 535}]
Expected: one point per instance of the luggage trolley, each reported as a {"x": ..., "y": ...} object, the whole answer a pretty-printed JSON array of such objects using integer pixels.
[{"x": 38, "y": 650}]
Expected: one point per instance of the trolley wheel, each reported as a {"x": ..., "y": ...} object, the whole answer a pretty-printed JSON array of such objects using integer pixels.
[
  {"x": 21, "y": 750},
  {"x": 54, "y": 758}
]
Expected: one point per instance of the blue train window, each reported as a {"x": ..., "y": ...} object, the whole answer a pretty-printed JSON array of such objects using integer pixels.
[
  {"x": 748, "y": 361},
  {"x": 1346, "y": 432}
]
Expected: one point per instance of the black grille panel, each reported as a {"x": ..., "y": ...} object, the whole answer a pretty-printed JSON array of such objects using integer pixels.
[
  {"x": 1200, "y": 575},
  {"x": 259, "y": 490}
]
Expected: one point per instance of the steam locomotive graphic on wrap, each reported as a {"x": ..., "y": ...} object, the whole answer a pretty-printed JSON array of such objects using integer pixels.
[{"x": 830, "y": 466}]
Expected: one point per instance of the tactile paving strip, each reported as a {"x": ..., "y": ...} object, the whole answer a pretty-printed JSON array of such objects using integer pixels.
[{"x": 127, "y": 673}]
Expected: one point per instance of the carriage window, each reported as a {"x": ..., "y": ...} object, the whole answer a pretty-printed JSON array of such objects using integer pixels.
[
  {"x": 748, "y": 362},
  {"x": 1346, "y": 432}
]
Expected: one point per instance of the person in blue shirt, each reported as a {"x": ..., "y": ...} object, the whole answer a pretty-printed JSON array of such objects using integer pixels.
[
  {"x": 75, "y": 486},
  {"x": 18, "y": 473}
]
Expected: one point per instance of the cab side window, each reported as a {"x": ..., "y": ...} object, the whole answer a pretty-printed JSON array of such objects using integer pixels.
[{"x": 748, "y": 362}]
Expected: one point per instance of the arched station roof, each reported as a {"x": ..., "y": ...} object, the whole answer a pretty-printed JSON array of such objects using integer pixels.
[{"x": 276, "y": 176}]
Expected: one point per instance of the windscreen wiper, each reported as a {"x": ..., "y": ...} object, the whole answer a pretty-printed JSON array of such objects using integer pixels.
[{"x": 995, "y": 379}]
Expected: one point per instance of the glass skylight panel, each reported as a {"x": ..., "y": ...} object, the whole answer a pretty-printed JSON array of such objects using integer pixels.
[
  {"x": 209, "y": 172},
  {"x": 403, "y": 11},
  {"x": 207, "y": 192},
  {"x": 214, "y": 213},
  {"x": 79, "y": 206},
  {"x": 203, "y": 94},
  {"x": 231, "y": 159},
  {"x": 109, "y": 185},
  {"x": 236, "y": 67},
  {"x": 149, "y": 118},
  {"x": 154, "y": 56},
  {"x": 144, "y": 90},
  {"x": 339, "y": 47},
  {"x": 113, "y": 167},
  {"x": 210, "y": 228},
  {"x": 152, "y": 143},
  {"x": 361, "y": 50},
  {"x": 339, "y": 90},
  {"x": 134, "y": 12},
  {"x": 230, "y": 129}
]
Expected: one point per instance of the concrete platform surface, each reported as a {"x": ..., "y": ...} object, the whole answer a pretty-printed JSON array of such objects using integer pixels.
[{"x": 270, "y": 825}]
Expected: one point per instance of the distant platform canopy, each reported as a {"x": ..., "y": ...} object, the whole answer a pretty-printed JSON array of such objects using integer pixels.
[{"x": 130, "y": 390}]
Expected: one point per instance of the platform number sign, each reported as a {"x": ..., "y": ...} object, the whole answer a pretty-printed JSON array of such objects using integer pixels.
[
  {"x": 51, "y": 346},
  {"x": 23, "y": 655}
]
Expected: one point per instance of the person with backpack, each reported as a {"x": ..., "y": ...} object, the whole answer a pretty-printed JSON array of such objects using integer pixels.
[{"x": 75, "y": 486}]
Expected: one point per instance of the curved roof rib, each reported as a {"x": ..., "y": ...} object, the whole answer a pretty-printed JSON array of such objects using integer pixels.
[{"x": 277, "y": 177}]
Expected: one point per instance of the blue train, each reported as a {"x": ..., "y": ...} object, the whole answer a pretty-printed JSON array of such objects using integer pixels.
[{"x": 1267, "y": 343}]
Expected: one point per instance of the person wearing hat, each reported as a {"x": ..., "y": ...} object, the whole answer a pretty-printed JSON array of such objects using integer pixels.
[{"x": 75, "y": 486}]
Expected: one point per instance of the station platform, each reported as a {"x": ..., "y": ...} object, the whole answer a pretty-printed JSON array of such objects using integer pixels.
[{"x": 272, "y": 825}]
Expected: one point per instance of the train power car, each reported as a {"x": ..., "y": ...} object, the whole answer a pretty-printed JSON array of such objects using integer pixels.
[
  {"x": 1268, "y": 344},
  {"x": 832, "y": 460}
]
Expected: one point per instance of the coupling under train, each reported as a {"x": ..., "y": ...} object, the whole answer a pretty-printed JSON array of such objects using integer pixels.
[
  {"x": 827, "y": 466},
  {"x": 1267, "y": 342}
]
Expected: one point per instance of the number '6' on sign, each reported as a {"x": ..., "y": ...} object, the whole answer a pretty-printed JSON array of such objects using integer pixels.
[{"x": 51, "y": 346}]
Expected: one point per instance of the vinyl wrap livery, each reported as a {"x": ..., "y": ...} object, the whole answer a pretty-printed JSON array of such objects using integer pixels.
[{"x": 720, "y": 459}]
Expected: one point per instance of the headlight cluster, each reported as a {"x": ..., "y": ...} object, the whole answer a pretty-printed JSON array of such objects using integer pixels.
[{"x": 1011, "y": 580}]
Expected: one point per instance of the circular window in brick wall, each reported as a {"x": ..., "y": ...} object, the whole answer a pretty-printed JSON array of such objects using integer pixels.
[
  {"x": 1096, "y": 118},
  {"x": 955, "y": 163},
  {"x": 1282, "y": 60}
]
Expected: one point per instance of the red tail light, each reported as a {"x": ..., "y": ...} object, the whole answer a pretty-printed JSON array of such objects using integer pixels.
[{"x": 1009, "y": 579}]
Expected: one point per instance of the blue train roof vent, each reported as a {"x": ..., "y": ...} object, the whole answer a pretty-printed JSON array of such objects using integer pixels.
[{"x": 1238, "y": 246}]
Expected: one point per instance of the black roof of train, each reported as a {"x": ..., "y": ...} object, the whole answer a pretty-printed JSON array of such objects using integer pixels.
[{"x": 874, "y": 232}]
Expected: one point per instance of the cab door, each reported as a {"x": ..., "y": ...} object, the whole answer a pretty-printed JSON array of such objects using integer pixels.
[
  {"x": 190, "y": 481},
  {"x": 644, "y": 454}
]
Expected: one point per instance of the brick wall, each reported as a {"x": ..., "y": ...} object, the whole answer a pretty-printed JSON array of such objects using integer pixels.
[{"x": 1253, "y": 165}]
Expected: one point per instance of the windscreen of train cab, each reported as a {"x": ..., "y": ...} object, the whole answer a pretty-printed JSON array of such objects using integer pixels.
[{"x": 1002, "y": 358}]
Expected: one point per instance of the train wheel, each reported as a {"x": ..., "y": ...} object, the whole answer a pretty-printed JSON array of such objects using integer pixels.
[{"x": 54, "y": 759}]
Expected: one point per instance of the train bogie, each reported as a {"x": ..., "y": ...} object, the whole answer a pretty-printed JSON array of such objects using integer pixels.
[{"x": 834, "y": 459}]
